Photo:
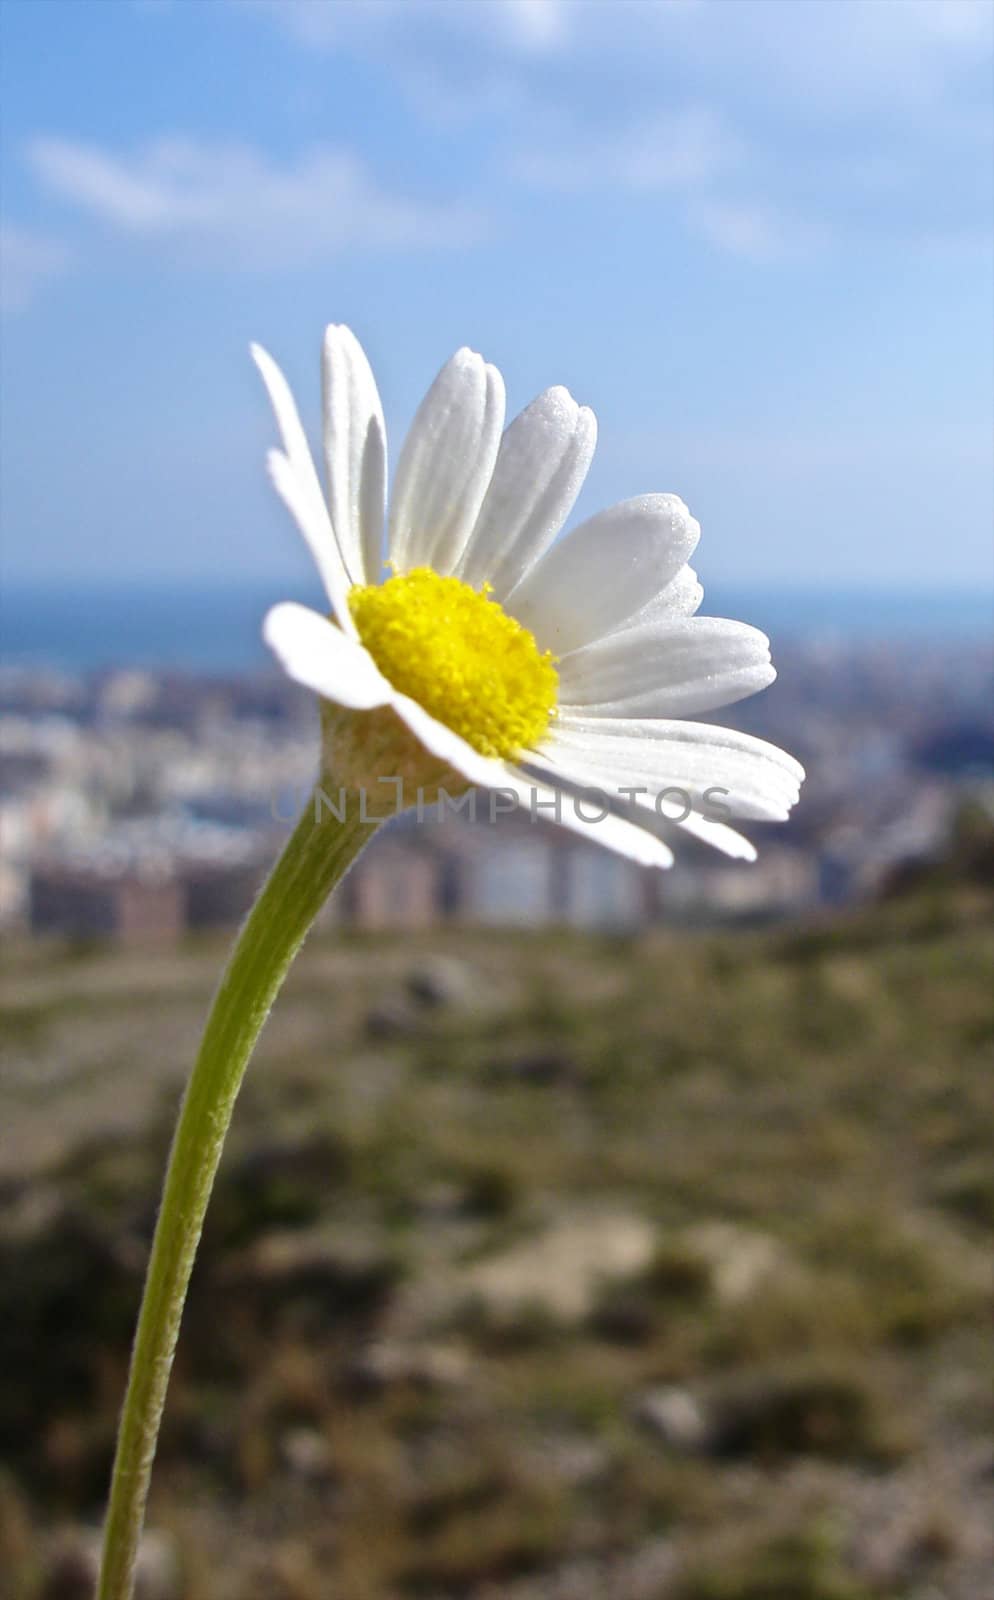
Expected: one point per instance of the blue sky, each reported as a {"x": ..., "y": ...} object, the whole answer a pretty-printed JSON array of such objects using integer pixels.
[{"x": 755, "y": 236}]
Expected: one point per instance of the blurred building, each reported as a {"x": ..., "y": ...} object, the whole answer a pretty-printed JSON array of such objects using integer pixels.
[
  {"x": 141, "y": 801},
  {"x": 395, "y": 885},
  {"x": 113, "y": 902}
]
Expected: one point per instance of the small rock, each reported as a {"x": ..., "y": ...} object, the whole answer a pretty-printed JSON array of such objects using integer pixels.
[
  {"x": 318, "y": 1157},
  {"x": 540, "y": 1067},
  {"x": 562, "y": 1271},
  {"x": 73, "y": 1567},
  {"x": 158, "y": 1575},
  {"x": 675, "y": 1417},
  {"x": 384, "y": 1365},
  {"x": 333, "y": 1271},
  {"x": 440, "y": 1202},
  {"x": 307, "y": 1453},
  {"x": 815, "y": 1412},
  {"x": 440, "y": 981},
  {"x": 573, "y": 1459},
  {"x": 30, "y": 1215},
  {"x": 392, "y": 1018},
  {"x": 741, "y": 1260}
]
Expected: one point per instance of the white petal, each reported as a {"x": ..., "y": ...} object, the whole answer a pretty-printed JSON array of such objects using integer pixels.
[
  {"x": 316, "y": 653},
  {"x": 448, "y": 746},
  {"x": 642, "y": 731},
  {"x": 667, "y": 669},
  {"x": 312, "y": 520},
  {"x": 605, "y": 572},
  {"x": 713, "y": 766},
  {"x": 541, "y": 465},
  {"x": 533, "y": 795},
  {"x": 296, "y": 480},
  {"x": 615, "y": 833},
  {"x": 586, "y": 772},
  {"x": 719, "y": 835},
  {"x": 355, "y": 454},
  {"x": 681, "y": 598},
  {"x": 446, "y": 465}
]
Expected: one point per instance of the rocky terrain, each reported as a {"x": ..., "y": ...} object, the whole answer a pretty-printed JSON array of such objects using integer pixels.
[{"x": 542, "y": 1267}]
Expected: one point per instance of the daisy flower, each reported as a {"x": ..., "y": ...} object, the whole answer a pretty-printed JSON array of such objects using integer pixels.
[
  {"x": 468, "y": 645},
  {"x": 465, "y": 646}
]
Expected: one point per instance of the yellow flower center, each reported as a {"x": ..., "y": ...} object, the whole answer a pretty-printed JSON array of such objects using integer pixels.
[{"x": 459, "y": 655}]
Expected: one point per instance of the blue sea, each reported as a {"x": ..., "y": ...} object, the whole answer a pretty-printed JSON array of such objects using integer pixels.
[{"x": 214, "y": 628}]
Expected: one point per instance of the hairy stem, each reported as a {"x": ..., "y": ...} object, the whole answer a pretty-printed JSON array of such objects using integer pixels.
[{"x": 317, "y": 856}]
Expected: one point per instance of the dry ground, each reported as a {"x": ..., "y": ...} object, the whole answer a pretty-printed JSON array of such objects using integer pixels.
[{"x": 538, "y": 1266}]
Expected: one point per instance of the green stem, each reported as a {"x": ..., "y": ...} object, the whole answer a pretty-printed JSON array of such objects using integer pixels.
[{"x": 318, "y": 854}]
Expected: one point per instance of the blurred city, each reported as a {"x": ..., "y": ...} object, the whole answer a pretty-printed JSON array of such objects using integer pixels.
[{"x": 137, "y": 802}]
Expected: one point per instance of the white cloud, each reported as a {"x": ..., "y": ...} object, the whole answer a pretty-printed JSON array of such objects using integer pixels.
[
  {"x": 754, "y": 231},
  {"x": 529, "y": 26},
  {"x": 28, "y": 261},
  {"x": 672, "y": 150},
  {"x": 690, "y": 155},
  {"x": 899, "y": 49},
  {"x": 804, "y": 101},
  {"x": 536, "y": 24},
  {"x": 231, "y": 202}
]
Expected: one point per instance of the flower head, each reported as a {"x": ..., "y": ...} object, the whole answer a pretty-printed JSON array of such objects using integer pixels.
[
  {"x": 457, "y": 652},
  {"x": 469, "y": 646}
]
